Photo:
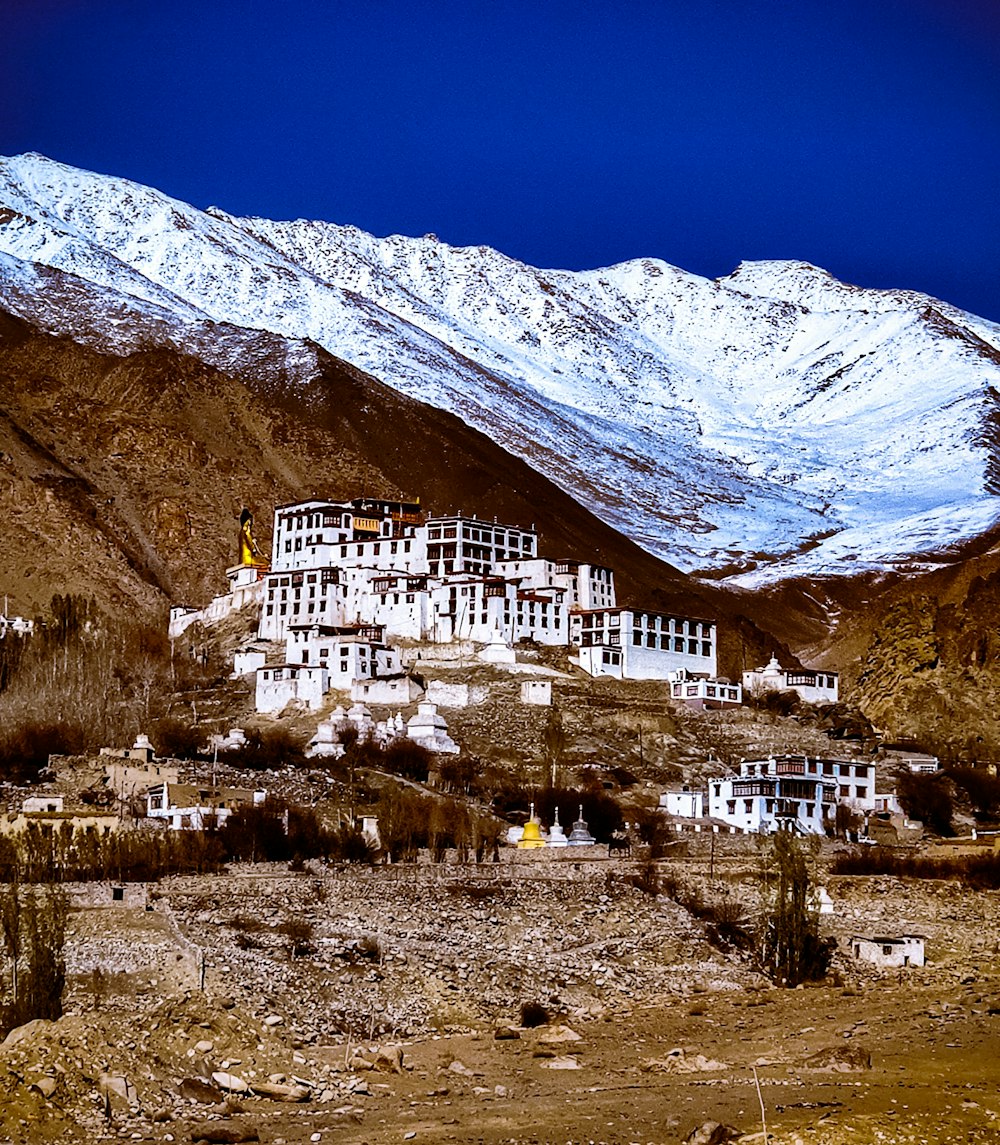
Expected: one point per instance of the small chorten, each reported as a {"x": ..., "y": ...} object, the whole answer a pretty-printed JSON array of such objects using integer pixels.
[
  {"x": 557, "y": 837},
  {"x": 326, "y": 741},
  {"x": 531, "y": 838},
  {"x": 497, "y": 650},
  {"x": 580, "y": 836}
]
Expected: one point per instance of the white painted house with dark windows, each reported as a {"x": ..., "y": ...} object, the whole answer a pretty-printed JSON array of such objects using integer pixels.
[
  {"x": 791, "y": 793},
  {"x": 634, "y": 644}
]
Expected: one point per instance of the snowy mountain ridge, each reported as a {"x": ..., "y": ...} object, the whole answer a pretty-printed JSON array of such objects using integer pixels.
[{"x": 772, "y": 423}]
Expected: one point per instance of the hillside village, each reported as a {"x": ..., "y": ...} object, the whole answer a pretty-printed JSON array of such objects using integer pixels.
[{"x": 356, "y": 591}]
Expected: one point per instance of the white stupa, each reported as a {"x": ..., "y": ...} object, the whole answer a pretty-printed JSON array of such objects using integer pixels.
[
  {"x": 580, "y": 836},
  {"x": 326, "y": 741},
  {"x": 429, "y": 729},
  {"x": 498, "y": 650},
  {"x": 557, "y": 837}
]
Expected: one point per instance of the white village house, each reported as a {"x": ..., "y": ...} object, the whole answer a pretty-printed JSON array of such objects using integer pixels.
[
  {"x": 701, "y": 692},
  {"x": 634, "y": 644},
  {"x": 890, "y": 953},
  {"x": 783, "y": 793},
  {"x": 188, "y": 807}
]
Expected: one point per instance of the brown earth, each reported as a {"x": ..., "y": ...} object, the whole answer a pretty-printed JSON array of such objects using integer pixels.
[{"x": 390, "y": 1018}]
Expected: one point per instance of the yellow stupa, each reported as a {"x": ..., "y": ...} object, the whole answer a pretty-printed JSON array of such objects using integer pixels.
[{"x": 532, "y": 836}]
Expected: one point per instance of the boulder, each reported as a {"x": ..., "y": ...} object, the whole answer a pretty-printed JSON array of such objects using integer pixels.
[
  {"x": 25, "y": 1033},
  {"x": 553, "y": 1035},
  {"x": 230, "y": 1081},
  {"x": 114, "y": 1085},
  {"x": 840, "y": 1059},
  {"x": 389, "y": 1059},
  {"x": 712, "y": 1133},
  {"x": 678, "y": 1061},
  {"x": 46, "y": 1086},
  {"x": 281, "y": 1091},
  {"x": 195, "y": 1089}
]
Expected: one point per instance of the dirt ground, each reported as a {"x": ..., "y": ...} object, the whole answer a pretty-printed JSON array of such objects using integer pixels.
[
  {"x": 932, "y": 1079},
  {"x": 883, "y": 1056}
]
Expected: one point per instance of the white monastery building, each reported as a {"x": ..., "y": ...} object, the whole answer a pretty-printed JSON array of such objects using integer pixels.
[
  {"x": 791, "y": 793},
  {"x": 347, "y": 578},
  {"x": 439, "y": 579},
  {"x": 815, "y": 687}
]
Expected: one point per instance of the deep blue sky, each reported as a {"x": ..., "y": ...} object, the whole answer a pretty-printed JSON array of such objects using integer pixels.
[{"x": 860, "y": 135}]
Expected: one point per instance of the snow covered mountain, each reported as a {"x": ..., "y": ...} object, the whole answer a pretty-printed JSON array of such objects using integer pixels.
[{"x": 769, "y": 424}]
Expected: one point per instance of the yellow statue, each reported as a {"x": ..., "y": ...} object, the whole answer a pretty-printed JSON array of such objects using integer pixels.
[{"x": 249, "y": 553}]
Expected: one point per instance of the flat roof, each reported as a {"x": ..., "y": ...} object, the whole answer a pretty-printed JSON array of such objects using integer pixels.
[{"x": 619, "y": 608}]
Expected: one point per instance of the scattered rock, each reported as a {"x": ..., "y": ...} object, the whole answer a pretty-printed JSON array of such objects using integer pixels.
[
  {"x": 840, "y": 1059},
  {"x": 678, "y": 1061},
  {"x": 712, "y": 1133},
  {"x": 562, "y": 1063},
  {"x": 231, "y": 1081},
  {"x": 554, "y": 1035},
  {"x": 281, "y": 1092},
  {"x": 195, "y": 1089}
]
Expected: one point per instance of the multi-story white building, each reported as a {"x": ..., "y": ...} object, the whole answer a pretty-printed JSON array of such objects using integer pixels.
[
  {"x": 791, "y": 792},
  {"x": 319, "y": 657},
  {"x": 816, "y": 687},
  {"x": 586, "y": 586},
  {"x": 438, "y": 579},
  {"x": 368, "y": 562},
  {"x": 466, "y": 544},
  {"x": 642, "y": 645},
  {"x": 317, "y": 534}
]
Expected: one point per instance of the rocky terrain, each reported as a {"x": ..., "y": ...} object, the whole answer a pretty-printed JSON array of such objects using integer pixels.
[{"x": 399, "y": 1015}]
